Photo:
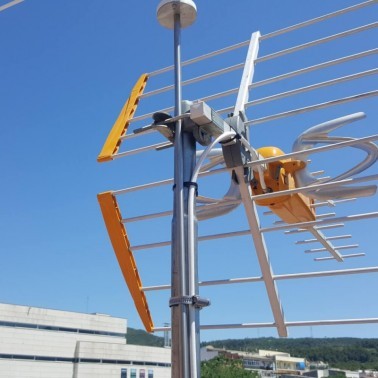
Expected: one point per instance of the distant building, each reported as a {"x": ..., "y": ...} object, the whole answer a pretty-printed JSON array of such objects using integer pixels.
[
  {"x": 266, "y": 362},
  {"x": 43, "y": 343}
]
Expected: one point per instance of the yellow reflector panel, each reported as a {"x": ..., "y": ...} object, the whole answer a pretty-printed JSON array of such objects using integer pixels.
[
  {"x": 120, "y": 126},
  {"x": 125, "y": 257}
]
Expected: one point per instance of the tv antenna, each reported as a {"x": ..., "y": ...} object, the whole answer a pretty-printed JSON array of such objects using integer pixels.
[{"x": 258, "y": 177}]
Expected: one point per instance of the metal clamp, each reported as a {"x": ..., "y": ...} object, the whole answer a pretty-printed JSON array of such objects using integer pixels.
[{"x": 194, "y": 300}]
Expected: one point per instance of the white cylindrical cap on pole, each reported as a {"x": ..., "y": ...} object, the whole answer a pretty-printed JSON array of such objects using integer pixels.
[{"x": 167, "y": 9}]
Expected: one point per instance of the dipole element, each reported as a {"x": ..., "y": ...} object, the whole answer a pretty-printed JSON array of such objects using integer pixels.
[{"x": 185, "y": 320}]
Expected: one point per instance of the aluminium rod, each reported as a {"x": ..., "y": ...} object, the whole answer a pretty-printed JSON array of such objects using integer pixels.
[
  {"x": 277, "y": 277},
  {"x": 326, "y": 244},
  {"x": 169, "y": 212},
  {"x": 292, "y": 74},
  {"x": 327, "y": 215},
  {"x": 332, "y": 203},
  {"x": 273, "y": 80},
  {"x": 310, "y": 188},
  {"x": 10, "y": 4},
  {"x": 156, "y": 146},
  {"x": 139, "y": 150},
  {"x": 316, "y": 42},
  {"x": 305, "y": 225},
  {"x": 308, "y": 88},
  {"x": 290, "y": 324},
  {"x": 305, "y": 323},
  {"x": 194, "y": 80},
  {"x": 163, "y": 182},
  {"x": 343, "y": 256},
  {"x": 326, "y": 227},
  {"x": 306, "y": 109},
  {"x": 312, "y": 87},
  {"x": 317, "y": 216},
  {"x": 263, "y": 37},
  {"x": 321, "y": 224},
  {"x": 307, "y": 241},
  {"x": 317, "y": 19},
  {"x": 200, "y": 239},
  {"x": 328, "y": 147},
  {"x": 316, "y": 250},
  {"x": 201, "y": 57}
]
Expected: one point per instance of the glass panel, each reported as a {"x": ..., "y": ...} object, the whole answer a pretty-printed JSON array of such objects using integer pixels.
[
  {"x": 150, "y": 374},
  {"x": 133, "y": 373},
  {"x": 142, "y": 373},
  {"x": 123, "y": 373}
]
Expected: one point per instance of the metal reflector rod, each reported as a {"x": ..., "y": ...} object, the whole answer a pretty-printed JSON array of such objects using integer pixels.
[
  {"x": 140, "y": 150},
  {"x": 344, "y": 257},
  {"x": 299, "y": 154},
  {"x": 359, "y": 96},
  {"x": 264, "y": 37},
  {"x": 10, "y": 4},
  {"x": 306, "y": 225},
  {"x": 308, "y": 88},
  {"x": 311, "y": 87},
  {"x": 287, "y": 324},
  {"x": 270, "y": 81},
  {"x": 317, "y": 186},
  {"x": 315, "y": 250},
  {"x": 317, "y": 19},
  {"x": 319, "y": 225},
  {"x": 338, "y": 237},
  {"x": 202, "y": 57},
  {"x": 164, "y": 182},
  {"x": 169, "y": 212},
  {"x": 317, "y": 42},
  {"x": 195, "y": 80},
  {"x": 328, "y": 226},
  {"x": 331, "y": 203},
  {"x": 277, "y": 277}
]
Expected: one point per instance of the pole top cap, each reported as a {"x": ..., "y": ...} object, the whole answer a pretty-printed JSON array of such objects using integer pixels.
[{"x": 167, "y": 9}]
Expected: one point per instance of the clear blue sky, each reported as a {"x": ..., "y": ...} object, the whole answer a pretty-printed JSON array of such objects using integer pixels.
[{"x": 66, "y": 69}]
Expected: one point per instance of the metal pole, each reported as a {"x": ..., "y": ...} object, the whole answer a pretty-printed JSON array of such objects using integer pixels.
[
  {"x": 178, "y": 14},
  {"x": 178, "y": 313},
  {"x": 184, "y": 356}
]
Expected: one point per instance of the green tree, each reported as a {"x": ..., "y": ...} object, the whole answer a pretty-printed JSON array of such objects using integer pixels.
[{"x": 223, "y": 367}]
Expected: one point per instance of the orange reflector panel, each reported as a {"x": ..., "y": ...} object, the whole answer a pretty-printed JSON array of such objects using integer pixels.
[
  {"x": 291, "y": 208},
  {"x": 125, "y": 257},
  {"x": 120, "y": 126}
]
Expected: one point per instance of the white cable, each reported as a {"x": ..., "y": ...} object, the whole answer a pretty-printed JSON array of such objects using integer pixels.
[{"x": 192, "y": 190}]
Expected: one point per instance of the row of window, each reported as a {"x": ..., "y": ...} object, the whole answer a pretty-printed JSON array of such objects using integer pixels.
[
  {"x": 82, "y": 360},
  {"x": 60, "y": 329},
  {"x": 133, "y": 373}
]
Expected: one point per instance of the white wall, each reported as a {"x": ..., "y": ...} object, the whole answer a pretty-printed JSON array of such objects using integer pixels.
[{"x": 24, "y": 341}]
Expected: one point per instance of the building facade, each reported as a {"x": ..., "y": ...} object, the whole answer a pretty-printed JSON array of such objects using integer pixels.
[
  {"x": 266, "y": 362},
  {"x": 44, "y": 343}
]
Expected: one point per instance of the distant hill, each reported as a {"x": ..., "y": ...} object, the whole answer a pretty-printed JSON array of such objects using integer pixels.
[
  {"x": 140, "y": 337},
  {"x": 343, "y": 353}
]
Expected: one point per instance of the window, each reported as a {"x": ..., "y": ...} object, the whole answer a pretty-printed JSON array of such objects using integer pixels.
[
  {"x": 123, "y": 373},
  {"x": 150, "y": 374},
  {"x": 142, "y": 373},
  {"x": 133, "y": 373}
]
